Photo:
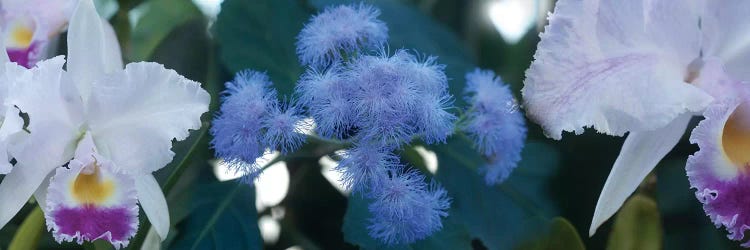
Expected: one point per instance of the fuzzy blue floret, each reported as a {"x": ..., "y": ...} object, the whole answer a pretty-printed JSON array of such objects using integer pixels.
[
  {"x": 406, "y": 208},
  {"x": 339, "y": 31},
  {"x": 327, "y": 96},
  {"x": 397, "y": 98},
  {"x": 365, "y": 167},
  {"x": 495, "y": 124},
  {"x": 282, "y": 128},
  {"x": 237, "y": 127}
]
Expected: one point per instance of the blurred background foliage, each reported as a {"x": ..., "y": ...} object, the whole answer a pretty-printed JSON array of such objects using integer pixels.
[{"x": 546, "y": 204}]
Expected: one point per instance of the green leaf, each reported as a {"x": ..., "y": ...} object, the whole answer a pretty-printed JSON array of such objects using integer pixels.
[
  {"x": 504, "y": 215},
  {"x": 560, "y": 234},
  {"x": 637, "y": 226},
  {"x": 260, "y": 35},
  {"x": 159, "y": 18},
  {"x": 223, "y": 217}
]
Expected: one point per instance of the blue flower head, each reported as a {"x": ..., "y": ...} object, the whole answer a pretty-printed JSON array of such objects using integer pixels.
[
  {"x": 282, "y": 127},
  {"x": 338, "y": 31},
  {"x": 392, "y": 94},
  {"x": 495, "y": 124},
  {"x": 327, "y": 96},
  {"x": 237, "y": 128},
  {"x": 365, "y": 167},
  {"x": 406, "y": 209}
]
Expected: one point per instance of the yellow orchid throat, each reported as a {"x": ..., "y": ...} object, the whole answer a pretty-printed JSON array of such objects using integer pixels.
[
  {"x": 91, "y": 188},
  {"x": 21, "y": 35}
]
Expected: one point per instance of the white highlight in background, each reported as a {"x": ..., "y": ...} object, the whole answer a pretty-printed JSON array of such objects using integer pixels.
[
  {"x": 328, "y": 169},
  {"x": 270, "y": 229},
  {"x": 270, "y": 187},
  {"x": 429, "y": 157},
  {"x": 512, "y": 18},
  {"x": 209, "y": 8}
]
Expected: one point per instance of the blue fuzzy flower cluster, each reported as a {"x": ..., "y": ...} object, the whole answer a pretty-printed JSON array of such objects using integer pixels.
[
  {"x": 252, "y": 119},
  {"x": 494, "y": 123},
  {"x": 380, "y": 99},
  {"x": 373, "y": 102},
  {"x": 356, "y": 91}
]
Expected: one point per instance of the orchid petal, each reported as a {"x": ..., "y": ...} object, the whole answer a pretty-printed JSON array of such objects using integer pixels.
[
  {"x": 134, "y": 115},
  {"x": 639, "y": 155},
  {"x": 616, "y": 66},
  {"x": 154, "y": 203},
  {"x": 11, "y": 125},
  {"x": 90, "y": 51},
  {"x": 719, "y": 170},
  {"x": 48, "y": 96},
  {"x": 18, "y": 186},
  {"x": 50, "y": 147},
  {"x": 3, "y": 54},
  {"x": 40, "y": 195},
  {"x": 727, "y": 35}
]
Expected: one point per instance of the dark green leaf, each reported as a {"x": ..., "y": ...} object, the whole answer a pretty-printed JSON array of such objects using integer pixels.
[
  {"x": 560, "y": 234},
  {"x": 159, "y": 18},
  {"x": 223, "y": 217},
  {"x": 504, "y": 215},
  {"x": 260, "y": 35}
]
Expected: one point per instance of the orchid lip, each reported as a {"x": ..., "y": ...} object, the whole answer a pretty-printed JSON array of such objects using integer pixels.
[{"x": 735, "y": 140}]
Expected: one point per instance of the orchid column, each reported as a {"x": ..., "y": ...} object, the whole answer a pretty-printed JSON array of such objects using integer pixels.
[{"x": 109, "y": 127}]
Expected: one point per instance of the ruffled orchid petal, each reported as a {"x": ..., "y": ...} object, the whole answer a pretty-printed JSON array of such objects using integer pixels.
[
  {"x": 90, "y": 200},
  {"x": 121, "y": 102},
  {"x": 89, "y": 48},
  {"x": 727, "y": 35},
  {"x": 719, "y": 170},
  {"x": 616, "y": 66},
  {"x": 639, "y": 155},
  {"x": 154, "y": 203},
  {"x": 47, "y": 95}
]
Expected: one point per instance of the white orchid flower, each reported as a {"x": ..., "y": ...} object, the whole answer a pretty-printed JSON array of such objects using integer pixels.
[
  {"x": 646, "y": 67},
  {"x": 29, "y": 25},
  {"x": 112, "y": 126}
]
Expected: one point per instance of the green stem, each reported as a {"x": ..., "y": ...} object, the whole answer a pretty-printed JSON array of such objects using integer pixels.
[{"x": 28, "y": 235}]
